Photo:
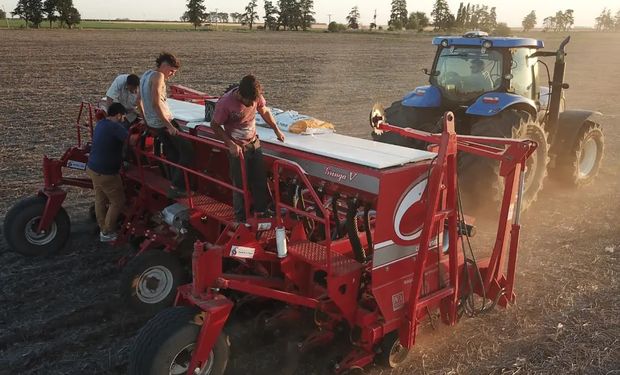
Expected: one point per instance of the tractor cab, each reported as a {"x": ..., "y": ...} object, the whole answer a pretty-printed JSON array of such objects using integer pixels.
[{"x": 466, "y": 67}]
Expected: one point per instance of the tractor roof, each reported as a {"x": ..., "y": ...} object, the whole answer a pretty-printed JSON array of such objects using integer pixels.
[{"x": 478, "y": 38}]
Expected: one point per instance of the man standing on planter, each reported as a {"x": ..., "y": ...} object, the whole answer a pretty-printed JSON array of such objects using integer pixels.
[
  {"x": 236, "y": 112},
  {"x": 104, "y": 163}
]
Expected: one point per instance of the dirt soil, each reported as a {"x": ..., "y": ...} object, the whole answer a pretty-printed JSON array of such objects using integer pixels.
[{"x": 61, "y": 315}]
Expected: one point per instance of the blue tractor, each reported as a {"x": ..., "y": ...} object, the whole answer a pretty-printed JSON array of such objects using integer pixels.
[{"x": 496, "y": 88}]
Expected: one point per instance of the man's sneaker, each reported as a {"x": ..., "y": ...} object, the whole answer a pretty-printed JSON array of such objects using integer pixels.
[
  {"x": 109, "y": 237},
  {"x": 174, "y": 193}
]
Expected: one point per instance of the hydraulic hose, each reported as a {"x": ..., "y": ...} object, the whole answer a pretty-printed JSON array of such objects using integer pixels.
[{"x": 351, "y": 224}]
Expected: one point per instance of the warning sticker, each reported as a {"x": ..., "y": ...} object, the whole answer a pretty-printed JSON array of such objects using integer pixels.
[
  {"x": 398, "y": 301},
  {"x": 242, "y": 252},
  {"x": 76, "y": 165}
]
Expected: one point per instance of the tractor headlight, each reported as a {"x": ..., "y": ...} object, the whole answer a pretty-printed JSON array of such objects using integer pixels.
[
  {"x": 444, "y": 43},
  {"x": 487, "y": 44}
]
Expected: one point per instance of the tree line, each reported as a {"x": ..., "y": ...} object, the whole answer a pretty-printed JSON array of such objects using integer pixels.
[
  {"x": 34, "y": 12},
  {"x": 281, "y": 15},
  {"x": 564, "y": 20}
]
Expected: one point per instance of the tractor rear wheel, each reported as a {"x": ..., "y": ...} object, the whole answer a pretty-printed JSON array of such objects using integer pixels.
[
  {"x": 22, "y": 221},
  {"x": 580, "y": 165},
  {"x": 408, "y": 117},
  {"x": 479, "y": 177},
  {"x": 165, "y": 344},
  {"x": 149, "y": 281}
]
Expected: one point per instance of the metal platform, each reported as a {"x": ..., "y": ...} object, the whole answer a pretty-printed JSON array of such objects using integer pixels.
[{"x": 316, "y": 255}]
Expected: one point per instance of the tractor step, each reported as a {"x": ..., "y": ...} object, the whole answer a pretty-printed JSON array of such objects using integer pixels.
[{"x": 316, "y": 255}]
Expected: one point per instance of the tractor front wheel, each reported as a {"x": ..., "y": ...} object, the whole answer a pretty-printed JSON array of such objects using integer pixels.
[
  {"x": 580, "y": 165},
  {"x": 149, "y": 281},
  {"x": 479, "y": 177},
  {"x": 21, "y": 228},
  {"x": 164, "y": 346}
]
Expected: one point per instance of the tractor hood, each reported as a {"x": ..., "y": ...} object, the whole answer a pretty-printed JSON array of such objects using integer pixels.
[{"x": 423, "y": 97}]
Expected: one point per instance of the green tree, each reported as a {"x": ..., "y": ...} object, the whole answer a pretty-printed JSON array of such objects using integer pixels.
[
  {"x": 250, "y": 14},
  {"x": 617, "y": 22},
  {"x": 31, "y": 11},
  {"x": 306, "y": 10},
  {"x": 549, "y": 23},
  {"x": 67, "y": 13},
  {"x": 417, "y": 21},
  {"x": 398, "y": 15},
  {"x": 605, "y": 21},
  {"x": 271, "y": 19},
  {"x": 2, "y": 14},
  {"x": 50, "y": 11},
  {"x": 235, "y": 17},
  {"x": 461, "y": 16},
  {"x": 196, "y": 13},
  {"x": 290, "y": 14},
  {"x": 353, "y": 18},
  {"x": 529, "y": 22},
  {"x": 442, "y": 18},
  {"x": 72, "y": 17}
]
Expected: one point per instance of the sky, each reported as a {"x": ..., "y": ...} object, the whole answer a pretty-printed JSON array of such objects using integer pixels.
[{"x": 509, "y": 11}]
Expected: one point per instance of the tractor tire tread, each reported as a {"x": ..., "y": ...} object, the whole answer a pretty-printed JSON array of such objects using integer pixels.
[
  {"x": 568, "y": 170},
  {"x": 162, "y": 328}
]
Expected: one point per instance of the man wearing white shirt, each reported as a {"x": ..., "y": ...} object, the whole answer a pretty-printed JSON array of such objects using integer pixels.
[{"x": 124, "y": 90}]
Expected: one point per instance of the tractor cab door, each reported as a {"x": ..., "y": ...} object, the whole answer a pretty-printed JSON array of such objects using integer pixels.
[{"x": 524, "y": 74}]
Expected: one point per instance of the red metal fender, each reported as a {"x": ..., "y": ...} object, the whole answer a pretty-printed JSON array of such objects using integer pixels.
[
  {"x": 214, "y": 316},
  {"x": 55, "y": 197}
]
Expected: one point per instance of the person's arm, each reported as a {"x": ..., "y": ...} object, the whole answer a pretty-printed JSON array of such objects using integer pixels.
[
  {"x": 139, "y": 105},
  {"x": 120, "y": 132},
  {"x": 157, "y": 91},
  {"x": 113, "y": 92},
  {"x": 233, "y": 147},
  {"x": 266, "y": 114}
]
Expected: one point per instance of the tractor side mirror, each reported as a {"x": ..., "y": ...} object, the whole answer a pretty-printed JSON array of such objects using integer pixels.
[{"x": 425, "y": 71}]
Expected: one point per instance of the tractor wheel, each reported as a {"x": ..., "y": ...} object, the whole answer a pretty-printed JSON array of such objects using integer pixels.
[
  {"x": 20, "y": 228},
  {"x": 580, "y": 165},
  {"x": 408, "y": 117},
  {"x": 392, "y": 353},
  {"x": 164, "y": 345},
  {"x": 479, "y": 177},
  {"x": 149, "y": 281}
]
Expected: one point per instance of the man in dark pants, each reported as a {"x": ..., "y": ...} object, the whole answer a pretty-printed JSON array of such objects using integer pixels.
[
  {"x": 236, "y": 112},
  {"x": 158, "y": 117}
]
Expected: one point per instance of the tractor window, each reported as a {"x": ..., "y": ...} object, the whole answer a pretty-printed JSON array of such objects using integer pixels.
[
  {"x": 522, "y": 82},
  {"x": 464, "y": 73}
]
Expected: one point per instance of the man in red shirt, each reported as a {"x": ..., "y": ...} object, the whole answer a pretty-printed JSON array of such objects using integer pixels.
[{"x": 236, "y": 112}]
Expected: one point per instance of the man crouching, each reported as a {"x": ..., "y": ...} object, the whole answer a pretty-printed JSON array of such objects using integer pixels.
[{"x": 236, "y": 111}]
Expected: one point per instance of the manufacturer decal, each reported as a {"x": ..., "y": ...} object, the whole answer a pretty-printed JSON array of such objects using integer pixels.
[
  {"x": 413, "y": 196},
  {"x": 76, "y": 165},
  {"x": 340, "y": 175},
  {"x": 242, "y": 252},
  {"x": 398, "y": 301}
]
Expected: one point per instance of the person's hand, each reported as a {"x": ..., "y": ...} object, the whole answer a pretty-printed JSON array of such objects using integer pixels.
[
  {"x": 279, "y": 135},
  {"x": 234, "y": 149},
  {"x": 172, "y": 130}
]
